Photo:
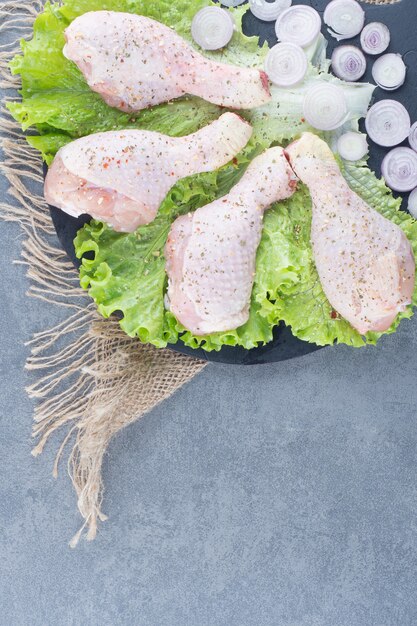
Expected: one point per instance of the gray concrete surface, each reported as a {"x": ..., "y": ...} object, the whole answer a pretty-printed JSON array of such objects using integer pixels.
[{"x": 280, "y": 495}]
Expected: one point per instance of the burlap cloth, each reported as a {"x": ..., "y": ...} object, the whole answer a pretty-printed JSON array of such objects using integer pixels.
[{"x": 90, "y": 379}]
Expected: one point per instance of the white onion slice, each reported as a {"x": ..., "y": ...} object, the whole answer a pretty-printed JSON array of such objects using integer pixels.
[
  {"x": 286, "y": 64},
  {"x": 348, "y": 63},
  {"x": 345, "y": 18},
  {"x": 212, "y": 28},
  {"x": 268, "y": 11},
  {"x": 412, "y": 138},
  {"x": 412, "y": 203},
  {"x": 388, "y": 123},
  {"x": 316, "y": 53},
  {"x": 389, "y": 71},
  {"x": 375, "y": 38},
  {"x": 352, "y": 146},
  {"x": 232, "y": 3},
  {"x": 399, "y": 168},
  {"x": 325, "y": 106},
  {"x": 299, "y": 24}
]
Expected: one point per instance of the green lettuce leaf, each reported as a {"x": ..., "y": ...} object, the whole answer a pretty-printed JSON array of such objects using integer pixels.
[
  {"x": 125, "y": 273},
  {"x": 57, "y": 101},
  {"x": 302, "y": 304}
]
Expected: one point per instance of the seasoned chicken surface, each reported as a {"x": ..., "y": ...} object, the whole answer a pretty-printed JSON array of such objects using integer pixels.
[
  {"x": 122, "y": 177},
  {"x": 365, "y": 262},
  {"x": 211, "y": 254},
  {"x": 135, "y": 62}
]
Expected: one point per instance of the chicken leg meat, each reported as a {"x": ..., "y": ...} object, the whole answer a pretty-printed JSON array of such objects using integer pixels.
[
  {"x": 211, "y": 254},
  {"x": 365, "y": 262},
  {"x": 122, "y": 177},
  {"x": 135, "y": 62}
]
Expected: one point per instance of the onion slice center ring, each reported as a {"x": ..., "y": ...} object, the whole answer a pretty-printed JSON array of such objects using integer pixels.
[
  {"x": 399, "y": 168},
  {"x": 375, "y": 38},
  {"x": 286, "y": 64},
  {"x": 212, "y": 28},
  {"x": 345, "y": 18},
  {"x": 299, "y": 24},
  {"x": 389, "y": 71},
  {"x": 268, "y": 11},
  {"x": 325, "y": 106},
  {"x": 388, "y": 123},
  {"x": 352, "y": 146},
  {"x": 348, "y": 63}
]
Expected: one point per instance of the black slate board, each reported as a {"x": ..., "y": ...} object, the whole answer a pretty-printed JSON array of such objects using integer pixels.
[{"x": 401, "y": 19}]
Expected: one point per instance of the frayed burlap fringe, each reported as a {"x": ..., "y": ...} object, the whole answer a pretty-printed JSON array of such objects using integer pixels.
[{"x": 90, "y": 378}]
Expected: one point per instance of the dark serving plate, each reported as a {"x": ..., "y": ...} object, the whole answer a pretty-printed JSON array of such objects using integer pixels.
[{"x": 401, "y": 19}]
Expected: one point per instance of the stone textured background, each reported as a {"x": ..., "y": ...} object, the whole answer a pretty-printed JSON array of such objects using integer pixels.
[{"x": 280, "y": 495}]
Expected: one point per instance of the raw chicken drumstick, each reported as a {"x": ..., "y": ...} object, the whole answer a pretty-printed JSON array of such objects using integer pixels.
[
  {"x": 122, "y": 177},
  {"x": 135, "y": 62},
  {"x": 365, "y": 262},
  {"x": 211, "y": 254}
]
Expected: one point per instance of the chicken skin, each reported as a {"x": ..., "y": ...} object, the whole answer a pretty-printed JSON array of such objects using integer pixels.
[
  {"x": 135, "y": 62},
  {"x": 211, "y": 254},
  {"x": 122, "y": 177},
  {"x": 365, "y": 262}
]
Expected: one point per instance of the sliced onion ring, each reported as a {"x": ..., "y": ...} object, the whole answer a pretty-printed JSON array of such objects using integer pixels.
[
  {"x": 325, "y": 106},
  {"x": 412, "y": 138},
  {"x": 348, "y": 63},
  {"x": 345, "y": 18},
  {"x": 212, "y": 28},
  {"x": 389, "y": 71},
  {"x": 352, "y": 146},
  {"x": 232, "y": 3},
  {"x": 399, "y": 168},
  {"x": 298, "y": 24},
  {"x": 388, "y": 123},
  {"x": 412, "y": 203},
  {"x": 268, "y": 11},
  {"x": 286, "y": 64},
  {"x": 375, "y": 38}
]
